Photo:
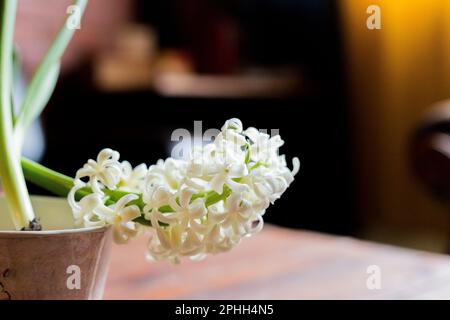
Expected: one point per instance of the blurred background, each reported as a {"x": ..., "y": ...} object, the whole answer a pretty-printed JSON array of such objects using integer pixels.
[{"x": 347, "y": 100}]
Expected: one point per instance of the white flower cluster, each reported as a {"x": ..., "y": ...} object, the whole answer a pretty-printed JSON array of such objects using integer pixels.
[{"x": 203, "y": 205}]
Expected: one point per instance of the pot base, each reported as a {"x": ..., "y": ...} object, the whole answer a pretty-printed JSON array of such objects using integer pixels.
[{"x": 53, "y": 264}]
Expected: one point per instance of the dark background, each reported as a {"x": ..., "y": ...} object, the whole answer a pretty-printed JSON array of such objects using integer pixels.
[
  {"x": 348, "y": 100},
  {"x": 269, "y": 35}
]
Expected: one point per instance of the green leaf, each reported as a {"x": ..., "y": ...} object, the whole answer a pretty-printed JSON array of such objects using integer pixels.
[
  {"x": 35, "y": 101},
  {"x": 44, "y": 80},
  {"x": 17, "y": 69},
  {"x": 10, "y": 171}
]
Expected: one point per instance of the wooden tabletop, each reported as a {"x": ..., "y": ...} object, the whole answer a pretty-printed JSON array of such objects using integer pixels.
[{"x": 282, "y": 264}]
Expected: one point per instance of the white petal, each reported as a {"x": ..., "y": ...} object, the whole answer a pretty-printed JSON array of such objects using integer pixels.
[
  {"x": 217, "y": 183},
  {"x": 185, "y": 197}
]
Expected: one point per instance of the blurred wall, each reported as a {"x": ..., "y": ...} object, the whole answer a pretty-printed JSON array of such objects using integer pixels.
[
  {"x": 395, "y": 73},
  {"x": 38, "y": 21}
]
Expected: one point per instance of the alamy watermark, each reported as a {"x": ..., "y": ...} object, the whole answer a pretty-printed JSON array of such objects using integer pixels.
[
  {"x": 373, "y": 281},
  {"x": 73, "y": 281},
  {"x": 185, "y": 140},
  {"x": 74, "y": 19},
  {"x": 373, "y": 21}
]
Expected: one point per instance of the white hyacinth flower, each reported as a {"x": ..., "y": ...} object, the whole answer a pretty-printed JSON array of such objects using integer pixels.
[
  {"x": 186, "y": 209},
  {"x": 121, "y": 216},
  {"x": 106, "y": 170},
  {"x": 202, "y": 205},
  {"x": 133, "y": 179},
  {"x": 263, "y": 147}
]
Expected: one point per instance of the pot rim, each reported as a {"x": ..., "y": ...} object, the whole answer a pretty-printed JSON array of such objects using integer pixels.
[{"x": 22, "y": 234}]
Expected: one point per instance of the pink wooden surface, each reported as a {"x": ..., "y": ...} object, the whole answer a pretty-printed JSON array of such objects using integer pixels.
[{"x": 282, "y": 264}]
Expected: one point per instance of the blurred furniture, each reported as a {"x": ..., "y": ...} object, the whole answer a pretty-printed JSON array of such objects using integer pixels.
[
  {"x": 430, "y": 151},
  {"x": 243, "y": 86},
  {"x": 430, "y": 154},
  {"x": 282, "y": 264}
]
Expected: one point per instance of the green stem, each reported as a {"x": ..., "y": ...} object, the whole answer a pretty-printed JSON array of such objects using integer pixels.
[
  {"x": 46, "y": 178},
  {"x": 12, "y": 177},
  {"x": 60, "y": 185}
]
